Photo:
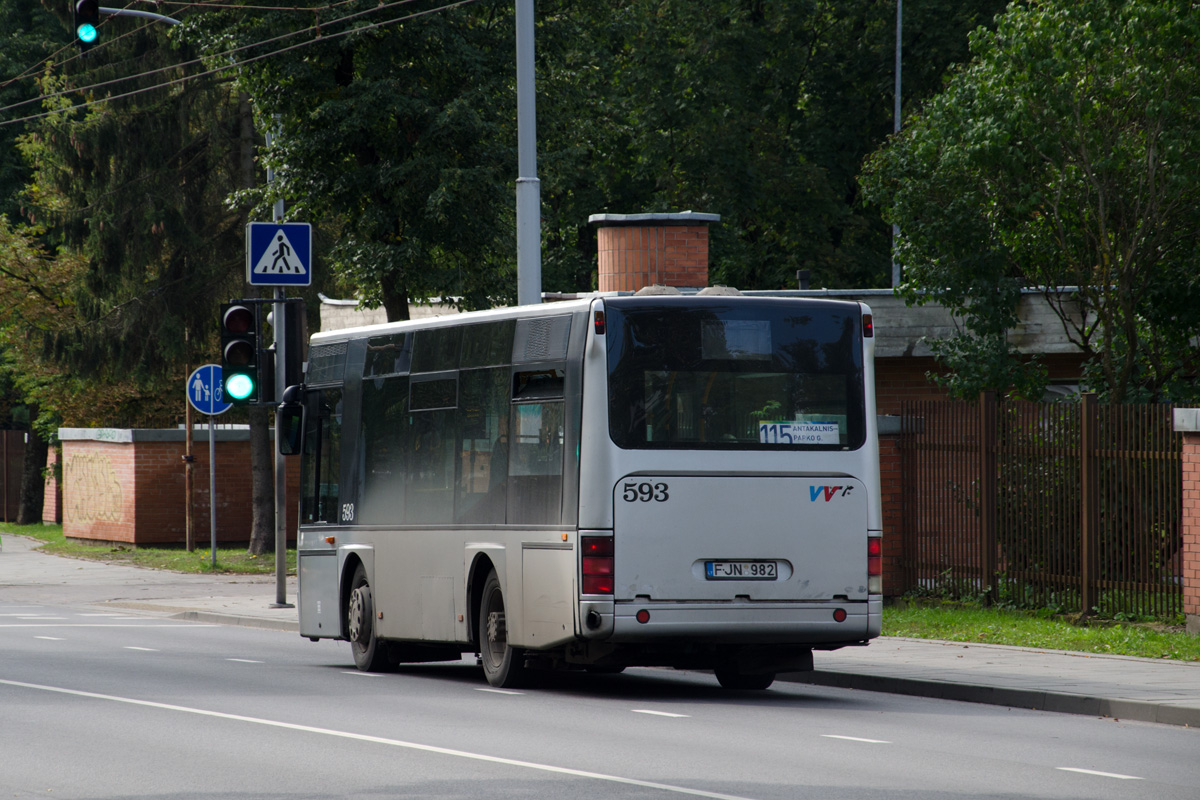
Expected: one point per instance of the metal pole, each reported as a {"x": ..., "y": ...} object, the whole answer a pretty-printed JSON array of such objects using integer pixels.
[
  {"x": 280, "y": 326},
  {"x": 129, "y": 12},
  {"x": 212, "y": 490},
  {"x": 896, "y": 129},
  {"x": 529, "y": 193}
]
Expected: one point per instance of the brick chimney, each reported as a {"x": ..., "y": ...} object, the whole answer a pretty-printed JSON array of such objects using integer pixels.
[{"x": 638, "y": 250}]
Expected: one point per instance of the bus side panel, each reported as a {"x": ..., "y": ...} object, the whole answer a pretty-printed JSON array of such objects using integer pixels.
[
  {"x": 596, "y": 470},
  {"x": 548, "y": 601},
  {"x": 320, "y": 612}
]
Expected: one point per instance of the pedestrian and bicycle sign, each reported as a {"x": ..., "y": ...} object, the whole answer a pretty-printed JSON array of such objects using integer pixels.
[
  {"x": 279, "y": 254},
  {"x": 204, "y": 390}
]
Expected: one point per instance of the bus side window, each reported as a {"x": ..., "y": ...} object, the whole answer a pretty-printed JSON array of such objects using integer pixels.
[
  {"x": 433, "y": 408},
  {"x": 383, "y": 445},
  {"x": 481, "y": 493},
  {"x": 535, "y": 464},
  {"x": 322, "y": 457}
]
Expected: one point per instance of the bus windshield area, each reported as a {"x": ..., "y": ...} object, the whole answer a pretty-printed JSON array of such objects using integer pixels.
[{"x": 766, "y": 374}]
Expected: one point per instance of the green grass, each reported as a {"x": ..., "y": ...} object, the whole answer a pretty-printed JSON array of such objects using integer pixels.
[
  {"x": 230, "y": 560},
  {"x": 965, "y": 623}
]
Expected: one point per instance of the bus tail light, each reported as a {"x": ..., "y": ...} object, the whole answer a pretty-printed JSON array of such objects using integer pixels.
[
  {"x": 868, "y": 323},
  {"x": 598, "y": 318},
  {"x": 597, "y": 553},
  {"x": 875, "y": 565}
]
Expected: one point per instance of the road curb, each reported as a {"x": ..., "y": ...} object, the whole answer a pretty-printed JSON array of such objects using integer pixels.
[
  {"x": 1037, "y": 700},
  {"x": 239, "y": 620}
]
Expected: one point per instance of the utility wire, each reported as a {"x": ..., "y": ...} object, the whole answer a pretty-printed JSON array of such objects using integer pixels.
[
  {"x": 30, "y": 70},
  {"x": 192, "y": 62},
  {"x": 237, "y": 64}
]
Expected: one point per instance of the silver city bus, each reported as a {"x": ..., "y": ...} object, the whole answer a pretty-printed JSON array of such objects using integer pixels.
[{"x": 686, "y": 481}]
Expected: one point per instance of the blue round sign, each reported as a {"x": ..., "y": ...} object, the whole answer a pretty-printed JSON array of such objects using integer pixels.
[{"x": 204, "y": 390}]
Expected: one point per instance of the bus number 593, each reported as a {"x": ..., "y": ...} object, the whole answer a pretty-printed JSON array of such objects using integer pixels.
[{"x": 645, "y": 492}]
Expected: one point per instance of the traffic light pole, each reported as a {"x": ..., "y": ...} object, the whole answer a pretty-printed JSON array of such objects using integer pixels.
[
  {"x": 129, "y": 12},
  {"x": 281, "y": 361}
]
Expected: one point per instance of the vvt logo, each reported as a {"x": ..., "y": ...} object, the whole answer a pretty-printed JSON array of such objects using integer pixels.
[{"x": 829, "y": 492}]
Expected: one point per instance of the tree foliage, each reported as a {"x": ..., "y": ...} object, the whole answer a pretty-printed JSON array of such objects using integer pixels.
[{"x": 1063, "y": 155}]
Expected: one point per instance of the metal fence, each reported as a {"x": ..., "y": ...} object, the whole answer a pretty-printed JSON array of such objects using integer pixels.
[{"x": 1074, "y": 506}]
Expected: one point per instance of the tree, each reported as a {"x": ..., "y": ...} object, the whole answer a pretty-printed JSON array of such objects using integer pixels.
[
  {"x": 397, "y": 139},
  {"x": 1062, "y": 156}
]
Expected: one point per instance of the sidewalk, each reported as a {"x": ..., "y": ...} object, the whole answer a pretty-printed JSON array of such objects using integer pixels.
[{"x": 1143, "y": 689}]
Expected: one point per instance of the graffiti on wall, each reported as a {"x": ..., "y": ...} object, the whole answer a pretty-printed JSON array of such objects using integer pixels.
[{"x": 91, "y": 489}]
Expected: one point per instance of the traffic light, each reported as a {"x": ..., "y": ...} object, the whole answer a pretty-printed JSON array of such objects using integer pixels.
[
  {"x": 240, "y": 354},
  {"x": 87, "y": 23}
]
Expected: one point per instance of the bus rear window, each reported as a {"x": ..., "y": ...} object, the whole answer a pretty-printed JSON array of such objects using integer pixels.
[{"x": 750, "y": 374}]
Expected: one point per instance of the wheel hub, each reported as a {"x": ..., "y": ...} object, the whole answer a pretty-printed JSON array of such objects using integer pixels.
[{"x": 360, "y": 602}]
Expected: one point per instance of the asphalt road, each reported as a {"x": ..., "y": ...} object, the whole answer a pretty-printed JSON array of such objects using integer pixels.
[{"x": 106, "y": 705}]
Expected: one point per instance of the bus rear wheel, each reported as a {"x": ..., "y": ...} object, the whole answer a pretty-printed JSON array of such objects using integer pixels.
[
  {"x": 370, "y": 654},
  {"x": 503, "y": 665},
  {"x": 734, "y": 679}
]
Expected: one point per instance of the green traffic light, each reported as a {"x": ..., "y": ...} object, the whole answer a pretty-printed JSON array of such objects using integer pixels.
[
  {"x": 86, "y": 33},
  {"x": 239, "y": 386}
]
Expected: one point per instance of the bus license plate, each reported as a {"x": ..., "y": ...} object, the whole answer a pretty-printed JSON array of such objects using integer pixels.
[{"x": 741, "y": 570}]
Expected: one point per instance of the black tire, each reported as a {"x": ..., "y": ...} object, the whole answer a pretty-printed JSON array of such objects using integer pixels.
[
  {"x": 370, "y": 653},
  {"x": 733, "y": 679},
  {"x": 503, "y": 665}
]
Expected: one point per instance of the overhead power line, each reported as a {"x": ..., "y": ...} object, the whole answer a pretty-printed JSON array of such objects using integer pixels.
[{"x": 321, "y": 37}]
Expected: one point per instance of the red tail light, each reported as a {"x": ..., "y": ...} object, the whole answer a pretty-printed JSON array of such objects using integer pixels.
[
  {"x": 597, "y": 562},
  {"x": 868, "y": 323},
  {"x": 874, "y": 556},
  {"x": 598, "y": 320}
]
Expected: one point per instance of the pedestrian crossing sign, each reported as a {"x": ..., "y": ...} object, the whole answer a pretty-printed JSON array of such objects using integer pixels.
[{"x": 279, "y": 254}]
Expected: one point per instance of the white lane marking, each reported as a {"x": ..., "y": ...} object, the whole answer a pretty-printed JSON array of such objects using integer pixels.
[
  {"x": 1116, "y": 775},
  {"x": 496, "y": 691},
  {"x": 361, "y": 674},
  {"x": 359, "y": 737},
  {"x": 37, "y": 617},
  {"x": 853, "y": 738},
  {"x": 657, "y": 713},
  {"x": 51, "y": 638},
  {"x": 180, "y": 625},
  {"x": 143, "y": 649},
  {"x": 244, "y": 660}
]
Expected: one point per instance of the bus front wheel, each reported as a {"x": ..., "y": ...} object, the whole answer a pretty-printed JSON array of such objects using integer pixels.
[
  {"x": 503, "y": 665},
  {"x": 370, "y": 654}
]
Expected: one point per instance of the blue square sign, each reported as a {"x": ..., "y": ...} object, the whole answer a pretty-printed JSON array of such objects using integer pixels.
[{"x": 279, "y": 254}]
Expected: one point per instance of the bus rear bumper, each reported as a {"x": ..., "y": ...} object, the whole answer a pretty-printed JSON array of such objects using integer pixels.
[{"x": 790, "y": 623}]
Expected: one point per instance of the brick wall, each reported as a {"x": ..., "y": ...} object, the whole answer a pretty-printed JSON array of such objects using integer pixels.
[
  {"x": 636, "y": 250},
  {"x": 1190, "y": 556},
  {"x": 128, "y": 487},
  {"x": 52, "y": 508}
]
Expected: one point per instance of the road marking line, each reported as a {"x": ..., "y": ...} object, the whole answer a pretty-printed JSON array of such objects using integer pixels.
[
  {"x": 143, "y": 649},
  {"x": 51, "y": 638},
  {"x": 180, "y": 625},
  {"x": 361, "y": 674},
  {"x": 853, "y": 738},
  {"x": 496, "y": 691},
  {"x": 1101, "y": 774},
  {"x": 658, "y": 713},
  {"x": 244, "y": 660},
  {"x": 37, "y": 618},
  {"x": 359, "y": 737}
]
